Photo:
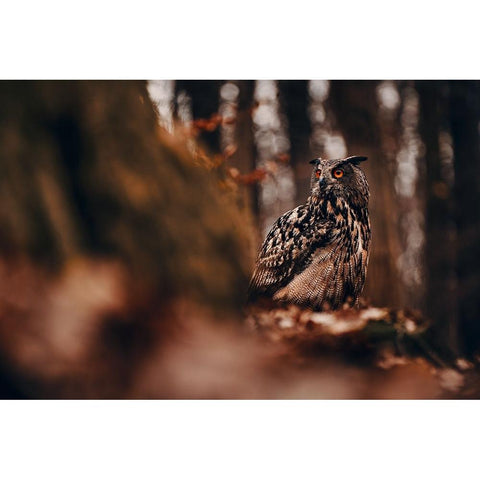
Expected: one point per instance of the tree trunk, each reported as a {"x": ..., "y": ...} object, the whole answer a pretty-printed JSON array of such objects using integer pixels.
[
  {"x": 440, "y": 298},
  {"x": 465, "y": 116},
  {"x": 205, "y": 97},
  {"x": 295, "y": 99},
  {"x": 245, "y": 157}
]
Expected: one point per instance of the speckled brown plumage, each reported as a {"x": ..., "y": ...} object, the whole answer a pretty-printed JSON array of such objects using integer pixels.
[{"x": 316, "y": 255}]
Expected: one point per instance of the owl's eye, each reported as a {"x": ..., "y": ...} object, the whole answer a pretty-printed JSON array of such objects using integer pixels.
[
  {"x": 317, "y": 174},
  {"x": 338, "y": 173}
]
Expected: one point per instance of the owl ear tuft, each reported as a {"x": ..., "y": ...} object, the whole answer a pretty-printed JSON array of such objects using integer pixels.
[
  {"x": 315, "y": 161},
  {"x": 355, "y": 159}
]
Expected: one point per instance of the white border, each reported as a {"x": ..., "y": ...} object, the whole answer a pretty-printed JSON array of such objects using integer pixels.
[
  {"x": 251, "y": 39},
  {"x": 238, "y": 439}
]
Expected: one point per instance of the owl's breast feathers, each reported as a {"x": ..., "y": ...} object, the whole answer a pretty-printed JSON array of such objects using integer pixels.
[{"x": 315, "y": 255}]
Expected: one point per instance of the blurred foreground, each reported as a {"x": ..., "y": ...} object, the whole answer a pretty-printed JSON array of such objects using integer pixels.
[{"x": 125, "y": 257}]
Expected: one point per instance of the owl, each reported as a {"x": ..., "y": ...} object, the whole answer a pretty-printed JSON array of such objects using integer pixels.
[{"x": 316, "y": 255}]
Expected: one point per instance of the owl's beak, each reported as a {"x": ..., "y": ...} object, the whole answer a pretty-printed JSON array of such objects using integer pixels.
[{"x": 322, "y": 182}]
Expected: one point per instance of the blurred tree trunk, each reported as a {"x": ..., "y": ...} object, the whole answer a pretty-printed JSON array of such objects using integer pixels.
[
  {"x": 354, "y": 105},
  {"x": 245, "y": 157},
  {"x": 465, "y": 117},
  {"x": 295, "y": 99},
  {"x": 85, "y": 171},
  {"x": 205, "y": 97},
  {"x": 440, "y": 301}
]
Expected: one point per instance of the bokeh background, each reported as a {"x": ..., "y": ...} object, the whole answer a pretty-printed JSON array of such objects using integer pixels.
[{"x": 131, "y": 213}]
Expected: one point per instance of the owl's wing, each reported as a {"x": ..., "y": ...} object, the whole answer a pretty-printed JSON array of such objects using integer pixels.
[{"x": 286, "y": 251}]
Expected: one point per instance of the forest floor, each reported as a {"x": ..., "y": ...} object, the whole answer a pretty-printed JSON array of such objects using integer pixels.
[{"x": 393, "y": 345}]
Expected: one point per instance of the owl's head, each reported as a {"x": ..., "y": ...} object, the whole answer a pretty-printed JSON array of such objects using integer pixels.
[{"x": 340, "y": 178}]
